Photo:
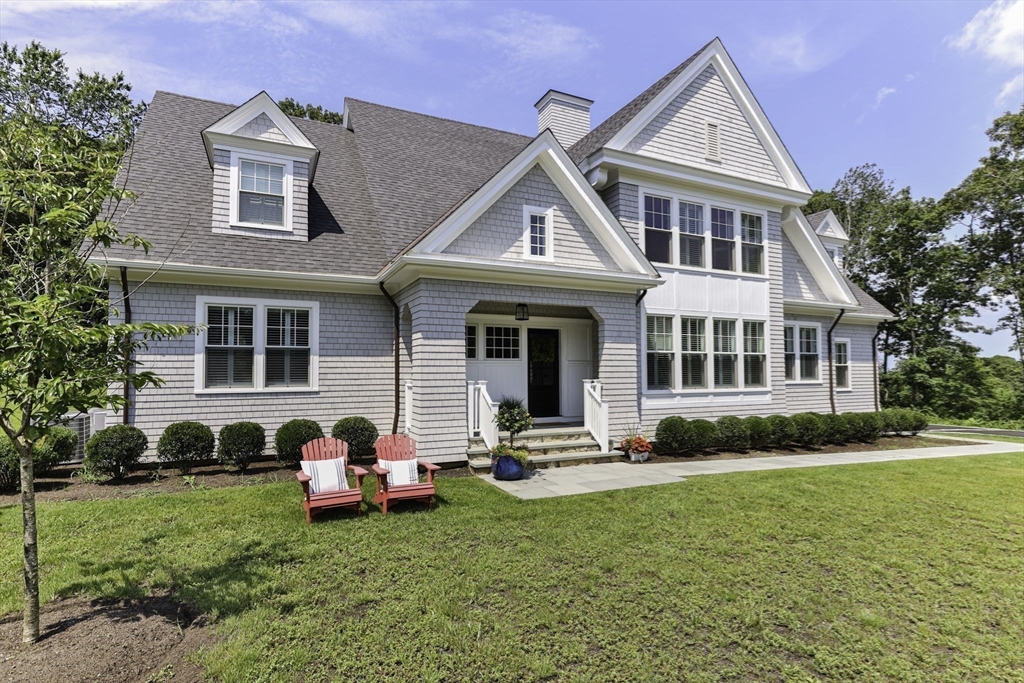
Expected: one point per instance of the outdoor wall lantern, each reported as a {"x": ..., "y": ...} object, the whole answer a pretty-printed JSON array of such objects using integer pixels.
[{"x": 522, "y": 312}]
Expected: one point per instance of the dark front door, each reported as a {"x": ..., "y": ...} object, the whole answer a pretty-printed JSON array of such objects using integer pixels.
[{"x": 542, "y": 373}]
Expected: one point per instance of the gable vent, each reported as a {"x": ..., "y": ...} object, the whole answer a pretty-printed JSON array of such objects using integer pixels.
[{"x": 712, "y": 148}]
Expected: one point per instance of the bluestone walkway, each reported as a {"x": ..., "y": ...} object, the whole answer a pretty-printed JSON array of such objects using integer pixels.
[{"x": 567, "y": 481}]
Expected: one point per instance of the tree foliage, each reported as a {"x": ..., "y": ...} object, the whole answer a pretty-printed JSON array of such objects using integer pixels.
[
  {"x": 309, "y": 111},
  {"x": 62, "y": 140}
]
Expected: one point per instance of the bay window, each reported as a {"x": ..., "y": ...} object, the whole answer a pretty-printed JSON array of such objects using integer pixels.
[
  {"x": 659, "y": 352},
  {"x": 658, "y": 229},
  {"x": 725, "y": 352},
  {"x": 723, "y": 239}
]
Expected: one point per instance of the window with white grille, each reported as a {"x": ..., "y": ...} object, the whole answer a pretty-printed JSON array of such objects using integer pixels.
[
  {"x": 841, "y": 361},
  {"x": 230, "y": 347},
  {"x": 723, "y": 238},
  {"x": 287, "y": 350},
  {"x": 752, "y": 243},
  {"x": 693, "y": 358},
  {"x": 538, "y": 241},
  {"x": 754, "y": 364},
  {"x": 658, "y": 229},
  {"x": 691, "y": 234},
  {"x": 502, "y": 342},
  {"x": 660, "y": 354},
  {"x": 725, "y": 353},
  {"x": 261, "y": 193}
]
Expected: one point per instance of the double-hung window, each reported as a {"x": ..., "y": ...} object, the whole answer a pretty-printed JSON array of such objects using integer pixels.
[
  {"x": 658, "y": 229},
  {"x": 660, "y": 352},
  {"x": 789, "y": 348},
  {"x": 752, "y": 238},
  {"x": 754, "y": 374},
  {"x": 808, "y": 353},
  {"x": 725, "y": 353},
  {"x": 694, "y": 353},
  {"x": 261, "y": 193},
  {"x": 287, "y": 350},
  {"x": 691, "y": 234},
  {"x": 723, "y": 239},
  {"x": 841, "y": 361},
  {"x": 230, "y": 347}
]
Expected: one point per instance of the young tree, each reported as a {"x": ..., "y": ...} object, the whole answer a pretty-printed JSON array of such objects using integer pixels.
[
  {"x": 990, "y": 203},
  {"x": 62, "y": 141}
]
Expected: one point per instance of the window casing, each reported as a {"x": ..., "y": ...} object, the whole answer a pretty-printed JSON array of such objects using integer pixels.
[
  {"x": 691, "y": 234},
  {"x": 538, "y": 229},
  {"x": 471, "y": 342},
  {"x": 802, "y": 351},
  {"x": 752, "y": 244},
  {"x": 789, "y": 348},
  {"x": 725, "y": 353},
  {"x": 693, "y": 356},
  {"x": 501, "y": 343},
  {"x": 755, "y": 366},
  {"x": 256, "y": 345},
  {"x": 660, "y": 356},
  {"x": 841, "y": 363},
  {"x": 723, "y": 239},
  {"x": 658, "y": 229},
  {"x": 261, "y": 191}
]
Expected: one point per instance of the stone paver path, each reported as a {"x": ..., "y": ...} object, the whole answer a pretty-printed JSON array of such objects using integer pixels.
[{"x": 567, "y": 481}]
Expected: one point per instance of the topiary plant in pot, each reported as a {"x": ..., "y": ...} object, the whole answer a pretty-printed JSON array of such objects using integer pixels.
[
  {"x": 512, "y": 417},
  {"x": 507, "y": 463}
]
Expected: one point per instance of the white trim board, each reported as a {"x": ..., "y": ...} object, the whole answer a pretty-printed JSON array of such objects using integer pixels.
[{"x": 812, "y": 252}]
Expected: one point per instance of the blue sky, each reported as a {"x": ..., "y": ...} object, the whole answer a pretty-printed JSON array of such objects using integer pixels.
[{"x": 910, "y": 86}]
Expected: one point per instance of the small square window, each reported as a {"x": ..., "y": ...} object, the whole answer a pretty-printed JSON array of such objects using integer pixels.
[{"x": 502, "y": 342}]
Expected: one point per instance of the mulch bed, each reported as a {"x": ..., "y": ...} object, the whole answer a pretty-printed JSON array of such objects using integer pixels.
[
  {"x": 117, "y": 641},
  {"x": 64, "y": 484},
  {"x": 882, "y": 444}
]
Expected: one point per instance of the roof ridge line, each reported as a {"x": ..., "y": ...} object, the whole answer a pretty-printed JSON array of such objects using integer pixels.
[{"x": 439, "y": 118}]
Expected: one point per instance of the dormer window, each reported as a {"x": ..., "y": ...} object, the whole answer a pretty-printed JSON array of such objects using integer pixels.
[{"x": 261, "y": 193}]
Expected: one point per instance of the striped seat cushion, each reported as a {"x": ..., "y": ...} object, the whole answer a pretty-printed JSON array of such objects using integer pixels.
[
  {"x": 326, "y": 475},
  {"x": 400, "y": 472}
]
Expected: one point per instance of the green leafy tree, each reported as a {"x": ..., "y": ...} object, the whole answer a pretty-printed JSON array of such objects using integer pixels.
[
  {"x": 309, "y": 111},
  {"x": 62, "y": 140},
  {"x": 990, "y": 204}
]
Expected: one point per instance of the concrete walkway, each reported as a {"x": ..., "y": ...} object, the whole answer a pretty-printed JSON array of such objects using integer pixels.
[{"x": 567, "y": 481}]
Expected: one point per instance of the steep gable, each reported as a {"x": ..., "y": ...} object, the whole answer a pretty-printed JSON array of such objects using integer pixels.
[
  {"x": 498, "y": 233},
  {"x": 677, "y": 133}
]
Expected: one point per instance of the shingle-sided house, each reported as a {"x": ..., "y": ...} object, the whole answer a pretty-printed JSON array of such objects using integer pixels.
[{"x": 414, "y": 269}]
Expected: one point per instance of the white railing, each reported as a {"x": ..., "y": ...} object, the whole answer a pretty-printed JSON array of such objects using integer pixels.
[
  {"x": 408, "y": 407},
  {"x": 481, "y": 412},
  {"x": 595, "y": 413}
]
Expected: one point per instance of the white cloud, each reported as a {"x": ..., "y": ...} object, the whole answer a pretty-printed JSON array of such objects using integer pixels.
[
  {"x": 794, "y": 51},
  {"x": 1013, "y": 90},
  {"x": 881, "y": 95},
  {"x": 15, "y": 7},
  {"x": 996, "y": 34},
  {"x": 527, "y": 37}
]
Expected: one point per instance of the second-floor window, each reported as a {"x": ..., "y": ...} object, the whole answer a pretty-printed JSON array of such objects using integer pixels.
[
  {"x": 261, "y": 193},
  {"x": 691, "y": 234},
  {"x": 723, "y": 239},
  {"x": 658, "y": 229},
  {"x": 752, "y": 238}
]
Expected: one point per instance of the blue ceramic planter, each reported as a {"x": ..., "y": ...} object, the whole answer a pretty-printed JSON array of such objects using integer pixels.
[{"x": 506, "y": 468}]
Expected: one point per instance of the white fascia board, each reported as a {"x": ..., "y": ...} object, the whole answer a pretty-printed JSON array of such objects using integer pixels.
[
  {"x": 158, "y": 271},
  {"x": 853, "y": 314},
  {"x": 546, "y": 151},
  {"x": 838, "y": 231},
  {"x": 611, "y": 159},
  {"x": 410, "y": 267},
  {"x": 716, "y": 54},
  {"x": 223, "y": 131},
  {"x": 812, "y": 252}
]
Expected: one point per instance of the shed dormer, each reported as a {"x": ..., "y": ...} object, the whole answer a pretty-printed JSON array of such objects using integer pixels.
[
  {"x": 831, "y": 233},
  {"x": 262, "y": 167}
]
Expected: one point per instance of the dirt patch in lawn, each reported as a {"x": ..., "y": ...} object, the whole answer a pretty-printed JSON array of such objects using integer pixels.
[
  {"x": 118, "y": 641},
  {"x": 885, "y": 443},
  {"x": 66, "y": 483}
]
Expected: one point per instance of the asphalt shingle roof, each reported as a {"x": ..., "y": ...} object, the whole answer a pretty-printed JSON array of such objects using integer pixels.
[
  {"x": 815, "y": 219},
  {"x": 867, "y": 303},
  {"x": 377, "y": 187}
]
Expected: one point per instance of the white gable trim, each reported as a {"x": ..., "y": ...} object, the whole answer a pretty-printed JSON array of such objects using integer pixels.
[
  {"x": 810, "y": 249},
  {"x": 716, "y": 55},
  {"x": 545, "y": 151},
  {"x": 223, "y": 132},
  {"x": 831, "y": 221}
]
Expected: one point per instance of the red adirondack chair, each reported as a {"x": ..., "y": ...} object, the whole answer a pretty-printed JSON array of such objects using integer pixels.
[
  {"x": 329, "y": 449},
  {"x": 394, "y": 447}
]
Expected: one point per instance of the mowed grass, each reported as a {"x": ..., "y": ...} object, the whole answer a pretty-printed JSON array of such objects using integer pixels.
[
  {"x": 1009, "y": 438},
  {"x": 889, "y": 571}
]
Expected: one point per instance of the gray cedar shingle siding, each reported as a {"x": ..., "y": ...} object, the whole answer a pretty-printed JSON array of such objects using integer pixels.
[
  {"x": 623, "y": 200},
  {"x": 498, "y": 233},
  {"x": 677, "y": 132},
  {"x": 797, "y": 281},
  {"x": 814, "y": 397},
  {"x": 262, "y": 128},
  {"x": 356, "y": 364},
  {"x": 568, "y": 121}
]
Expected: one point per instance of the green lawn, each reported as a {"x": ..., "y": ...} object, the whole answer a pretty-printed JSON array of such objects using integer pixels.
[
  {"x": 985, "y": 437},
  {"x": 888, "y": 571}
]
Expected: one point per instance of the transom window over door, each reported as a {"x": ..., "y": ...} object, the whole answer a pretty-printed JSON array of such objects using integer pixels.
[
  {"x": 752, "y": 238},
  {"x": 658, "y": 229},
  {"x": 287, "y": 351},
  {"x": 691, "y": 234},
  {"x": 229, "y": 346},
  {"x": 723, "y": 239},
  {"x": 725, "y": 353},
  {"x": 261, "y": 193},
  {"x": 659, "y": 352}
]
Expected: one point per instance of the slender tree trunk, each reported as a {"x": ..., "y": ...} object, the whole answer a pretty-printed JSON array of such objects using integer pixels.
[{"x": 30, "y": 618}]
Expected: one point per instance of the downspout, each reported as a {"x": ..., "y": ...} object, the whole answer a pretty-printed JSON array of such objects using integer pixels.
[
  {"x": 640, "y": 297},
  {"x": 127, "y": 350},
  {"x": 398, "y": 320},
  {"x": 874, "y": 363},
  {"x": 831, "y": 380}
]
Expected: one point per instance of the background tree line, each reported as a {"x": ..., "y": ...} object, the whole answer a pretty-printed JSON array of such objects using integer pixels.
[{"x": 936, "y": 264}]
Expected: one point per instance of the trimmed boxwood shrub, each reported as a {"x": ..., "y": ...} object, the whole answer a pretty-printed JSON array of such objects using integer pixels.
[
  {"x": 241, "y": 443},
  {"x": 918, "y": 421},
  {"x": 732, "y": 433},
  {"x": 57, "y": 447},
  {"x": 292, "y": 436},
  {"x": 185, "y": 444},
  {"x": 703, "y": 435},
  {"x": 115, "y": 451},
  {"x": 759, "y": 430},
  {"x": 672, "y": 434},
  {"x": 835, "y": 428},
  {"x": 863, "y": 426},
  {"x": 889, "y": 420},
  {"x": 358, "y": 432},
  {"x": 782, "y": 430},
  {"x": 807, "y": 428}
]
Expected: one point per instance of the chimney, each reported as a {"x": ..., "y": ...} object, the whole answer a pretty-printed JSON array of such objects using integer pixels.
[{"x": 566, "y": 115}]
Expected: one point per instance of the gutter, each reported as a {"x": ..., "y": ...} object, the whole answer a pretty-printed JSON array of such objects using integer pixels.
[
  {"x": 398, "y": 320},
  {"x": 831, "y": 379}
]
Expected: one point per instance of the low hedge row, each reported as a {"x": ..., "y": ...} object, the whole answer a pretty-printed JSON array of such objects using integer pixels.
[
  {"x": 57, "y": 447},
  {"x": 116, "y": 451},
  {"x": 677, "y": 435}
]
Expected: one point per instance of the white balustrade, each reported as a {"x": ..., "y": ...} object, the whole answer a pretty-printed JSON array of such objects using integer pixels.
[
  {"x": 481, "y": 412},
  {"x": 595, "y": 413}
]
